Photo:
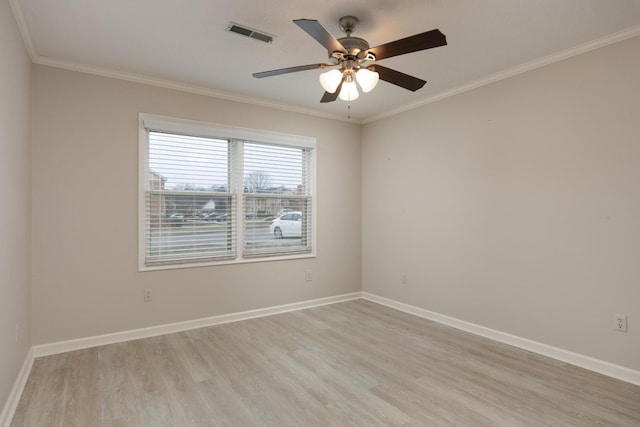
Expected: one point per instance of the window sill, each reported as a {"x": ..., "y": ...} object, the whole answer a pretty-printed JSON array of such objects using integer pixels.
[{"x": 225, "y": 262}]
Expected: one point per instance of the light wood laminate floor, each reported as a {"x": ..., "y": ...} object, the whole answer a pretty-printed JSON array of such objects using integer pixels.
[{"x": 355, "y": 363}]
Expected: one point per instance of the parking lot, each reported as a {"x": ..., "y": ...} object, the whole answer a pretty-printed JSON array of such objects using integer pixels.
[{"x": 204, "y": 235}]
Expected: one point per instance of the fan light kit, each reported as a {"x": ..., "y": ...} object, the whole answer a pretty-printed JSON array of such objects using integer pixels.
[{"x": 356, "y": 61}]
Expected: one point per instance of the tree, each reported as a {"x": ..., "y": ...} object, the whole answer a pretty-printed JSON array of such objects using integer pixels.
[{"x": 256, "y": 182}]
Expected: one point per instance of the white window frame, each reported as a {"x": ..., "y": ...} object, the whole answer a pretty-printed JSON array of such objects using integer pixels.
[{"x": 152, "y": 122}]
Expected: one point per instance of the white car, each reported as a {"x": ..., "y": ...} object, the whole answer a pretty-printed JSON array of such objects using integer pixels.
[
  {"x": 284, "y": 211},
  {"x": 287, "y": 225}
]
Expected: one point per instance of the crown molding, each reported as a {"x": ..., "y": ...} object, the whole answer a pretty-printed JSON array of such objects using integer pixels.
[
  {"x": 24, "y": 29},
  {"x": 183, "y": 87},
  {"x": 532, "y": 65},
  {"x": 166, "y": 84},
  {"x": 200, "y": 90}
]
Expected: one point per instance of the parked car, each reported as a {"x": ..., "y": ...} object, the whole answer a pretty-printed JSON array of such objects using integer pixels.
[
  {"x": 287, "y": 225},
  {"x": 284, "y": 211},
  {"x": 217, "y": 216},
  {"x": 221, "y": 217},
  {"x": 176, "y": 219}
]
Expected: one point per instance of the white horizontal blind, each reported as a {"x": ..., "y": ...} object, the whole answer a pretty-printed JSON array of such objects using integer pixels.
[
  {"x": 189, "y": 207},
  {"x": 215, "y": 194},
  {"x": 276, "y": 181}
]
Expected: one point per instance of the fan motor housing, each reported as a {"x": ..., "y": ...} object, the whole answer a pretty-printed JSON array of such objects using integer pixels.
[{"x": 354, "y": 45}]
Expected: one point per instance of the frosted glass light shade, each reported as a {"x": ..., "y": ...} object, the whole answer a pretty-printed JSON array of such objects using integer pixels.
[
  {"x": 330, "y": 80},
  {"x": 367, "y": 79},
  {"x": 349, "y": 91}
]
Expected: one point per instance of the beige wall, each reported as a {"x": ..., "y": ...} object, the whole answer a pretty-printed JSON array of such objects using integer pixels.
[
  {"x": 15, "y": 201},
  {"x": 85, "y": 171},
  {"x": 516, "y": 206}
]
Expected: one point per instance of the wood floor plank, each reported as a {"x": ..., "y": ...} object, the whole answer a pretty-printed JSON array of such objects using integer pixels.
[
  {"x": 81, "y": 395},
  {"x": 122, "y": 380},
  {"x": 349, "y": 364},
  {"x": 48, "y": 408}
]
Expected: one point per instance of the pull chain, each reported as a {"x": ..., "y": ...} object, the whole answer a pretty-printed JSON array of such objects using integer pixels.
[{"x": 349, "y": 110}]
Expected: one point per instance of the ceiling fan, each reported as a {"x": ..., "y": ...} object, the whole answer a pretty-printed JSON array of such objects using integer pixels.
[{"x": 356, "y": 61}]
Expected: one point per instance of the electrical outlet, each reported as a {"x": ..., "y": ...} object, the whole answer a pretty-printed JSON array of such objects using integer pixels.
[
  {"x": 620, "y": 323},
  {"x": 309, "y": 275},
  {"x": 403, "y": 279},
  {"x": 147, "y": 295}
]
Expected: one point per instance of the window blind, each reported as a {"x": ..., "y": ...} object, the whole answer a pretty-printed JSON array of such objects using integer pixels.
[
  {"x": 276, "y": 181},
  {"x": 189, "y": 206},
  {"x": 212, "y": 194}
]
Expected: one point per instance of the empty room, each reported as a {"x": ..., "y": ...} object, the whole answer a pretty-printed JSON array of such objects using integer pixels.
[{"x": 339, "y": 213}]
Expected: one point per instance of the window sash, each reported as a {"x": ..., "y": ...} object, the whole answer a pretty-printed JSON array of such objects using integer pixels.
[
  {"x": 259, "y": 239},
  {"x": 199, "y": 239},
  {"x": 181, "y": 238}
]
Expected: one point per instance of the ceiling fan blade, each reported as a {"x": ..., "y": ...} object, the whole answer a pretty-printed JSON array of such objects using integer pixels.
[
  {"x": 397, "y": 78},
  {"x": 288, "y": 70},
  {"x": 317, "y": 31},
  {"x": 330, "y": 97},
  {"x": 422, "y": 41}
]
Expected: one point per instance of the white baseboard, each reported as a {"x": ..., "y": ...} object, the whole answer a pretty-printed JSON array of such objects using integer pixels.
[
  {"x": 95, "y": 341},
  {"x": 596, "y": 365},
  {"x": 6, "y": 416},
  {"x": 590, "y": 363}
]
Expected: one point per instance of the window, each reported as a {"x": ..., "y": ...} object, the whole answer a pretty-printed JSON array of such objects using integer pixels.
[{"x": 212, "y": 194}]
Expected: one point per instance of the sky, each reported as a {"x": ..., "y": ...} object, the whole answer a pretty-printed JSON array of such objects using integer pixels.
[{"x": 204, "y": 162}]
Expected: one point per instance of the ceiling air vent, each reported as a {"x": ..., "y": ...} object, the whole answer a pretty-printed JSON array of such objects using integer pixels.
[{"x": 250, "y": 32}]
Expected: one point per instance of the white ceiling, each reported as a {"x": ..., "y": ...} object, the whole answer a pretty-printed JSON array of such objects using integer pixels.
[{"x": 183, "y": 43}]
